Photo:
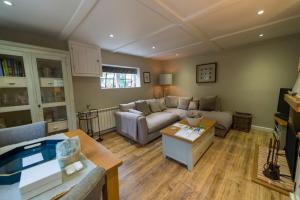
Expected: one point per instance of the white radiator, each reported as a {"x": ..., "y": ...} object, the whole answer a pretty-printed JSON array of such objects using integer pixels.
[{"x": 106, "y": 120}]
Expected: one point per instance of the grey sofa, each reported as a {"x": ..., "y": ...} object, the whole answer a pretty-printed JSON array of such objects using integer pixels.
[{"x": 143, "y": 129}]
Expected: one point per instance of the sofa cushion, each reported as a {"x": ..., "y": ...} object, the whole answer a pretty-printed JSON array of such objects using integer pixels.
[
  {"x": 143, "y": 107},
  {"x": 155, "y": 106},
  {"x": 193, "y": 105},
  {"x": 183, "y": 102},
  {"x": 171, "y": 101},
  {"x": 208, "y": 103},
  {"x": 126, "y": 106},
  {"x": 179, "y": 112},
  {"x": 224, "y": 119},
  {"x": 159, "y": 120},
  {"x": 162, "y": 104},
  {"x": 135, "y": 111}
]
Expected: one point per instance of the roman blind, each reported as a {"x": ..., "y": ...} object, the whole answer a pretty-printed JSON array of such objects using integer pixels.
[{"x": 120, "y": 70}]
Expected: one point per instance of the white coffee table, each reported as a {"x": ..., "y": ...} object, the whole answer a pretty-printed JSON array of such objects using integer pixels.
[{"x": 186, "y": 151}]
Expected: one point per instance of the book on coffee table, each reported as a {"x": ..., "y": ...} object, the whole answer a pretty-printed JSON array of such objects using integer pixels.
[{"x": 189, "y": 133}]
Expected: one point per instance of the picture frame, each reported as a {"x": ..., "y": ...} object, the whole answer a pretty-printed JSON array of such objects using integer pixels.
[
  {"x": 206, "y": 73},
  {"x": 147, "y": 77}
]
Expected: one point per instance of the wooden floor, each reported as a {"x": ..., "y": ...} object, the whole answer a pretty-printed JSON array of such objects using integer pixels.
[{"x": 224, "y": 171}]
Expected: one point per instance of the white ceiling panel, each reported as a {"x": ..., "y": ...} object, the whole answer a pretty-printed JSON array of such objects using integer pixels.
[
  {"x": 46, "y": 16},
  {"x": 127, "y": 20},
  {"x": 170, "y": 38},
  {"x": 188, "y": 8},
  {"x": 243, "y": 15},
  {"x": 202, "y": 48},
  {"x": 272, "y": 31}
]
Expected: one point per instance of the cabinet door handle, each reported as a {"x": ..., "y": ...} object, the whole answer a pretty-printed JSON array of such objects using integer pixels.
[
  {"x": 12, "y": 83},
  {"x": 50, "y": 83},
  {"x": 55, "y": 128}
]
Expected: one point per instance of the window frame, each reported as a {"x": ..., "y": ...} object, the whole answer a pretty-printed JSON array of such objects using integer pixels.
[{"x": 138, "y": 78}]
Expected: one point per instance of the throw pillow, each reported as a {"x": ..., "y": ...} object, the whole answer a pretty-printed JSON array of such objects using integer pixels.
[
  {"x": 162, "y": 104},
  {"x": 183, "y": 102},
  {"x": 143, "y": 107},
  {"x": 155, "y": 106},
  {"x": 126, "y": 107},
  {"x": 193, "y": 105},
  {"x": 171, "y": 101},
  {"x": 135, "y": 111},
  {"x": 208, "y": 103}
]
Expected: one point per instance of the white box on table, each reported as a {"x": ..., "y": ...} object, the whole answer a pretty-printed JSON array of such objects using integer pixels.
[{"x": 40, "y": 178}]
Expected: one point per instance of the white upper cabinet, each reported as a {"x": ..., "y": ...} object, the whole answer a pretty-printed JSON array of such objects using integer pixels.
[{"x": 86, "y": 59}]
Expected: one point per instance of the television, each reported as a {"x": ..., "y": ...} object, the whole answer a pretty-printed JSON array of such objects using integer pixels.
[{"x": 283, "y": 107}]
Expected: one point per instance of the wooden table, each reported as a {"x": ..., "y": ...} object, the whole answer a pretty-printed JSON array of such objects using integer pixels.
[
  {"x": 102, "y": 157},
  {"x": 186, "y": 151}
]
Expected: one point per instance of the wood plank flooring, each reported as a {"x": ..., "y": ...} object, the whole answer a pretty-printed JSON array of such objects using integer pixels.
[{"x": 223, "y": 173}]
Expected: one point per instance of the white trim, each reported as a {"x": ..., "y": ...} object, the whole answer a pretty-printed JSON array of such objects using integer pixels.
[
  {"x": 261, "y": 128},
  {"x": 82, "y": 11},
  {"x": 14, "y": 46}
]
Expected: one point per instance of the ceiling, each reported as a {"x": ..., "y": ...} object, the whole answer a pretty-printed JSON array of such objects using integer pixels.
[{"x": 160, "y": 29}]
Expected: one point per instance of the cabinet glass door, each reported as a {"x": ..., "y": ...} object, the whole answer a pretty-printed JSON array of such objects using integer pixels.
[
  {"x": 14, "y": 95},
  {"x": 52, "y": 93}
]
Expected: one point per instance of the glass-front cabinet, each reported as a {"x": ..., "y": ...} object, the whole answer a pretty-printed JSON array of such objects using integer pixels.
[
  {"x": 51, "y": 73},
  {"x": 15, "y": 100},
  {"x": 36, "y": 86}
]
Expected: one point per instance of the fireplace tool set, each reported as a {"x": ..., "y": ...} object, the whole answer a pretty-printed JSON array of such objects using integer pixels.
[{"x": 271, "y": 168}]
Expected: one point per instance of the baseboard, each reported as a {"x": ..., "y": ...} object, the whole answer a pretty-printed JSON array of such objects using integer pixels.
[{"x": 261, "y": 128}]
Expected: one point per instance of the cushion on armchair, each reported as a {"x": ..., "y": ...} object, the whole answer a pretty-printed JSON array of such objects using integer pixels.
[
  {"x": 155, "y": 106},
  {"x": 208, "y": 103},
  {"x": 143, "y": 107},
  {"x": 183, "y": 102},
  {"x": 171, "y": 101},
  {"x": 126, "y": 106},
  {"x": 193, "y": 105}
]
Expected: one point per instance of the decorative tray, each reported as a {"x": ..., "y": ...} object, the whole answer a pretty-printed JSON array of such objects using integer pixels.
[{"x": 12, "y": 162}]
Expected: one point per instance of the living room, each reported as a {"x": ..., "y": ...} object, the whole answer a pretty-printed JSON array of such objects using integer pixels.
[{"x": 160, "y": 99}]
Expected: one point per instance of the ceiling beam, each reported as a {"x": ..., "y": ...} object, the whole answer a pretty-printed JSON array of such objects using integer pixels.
[
  {"x": 256, "y": 27},
  {"x": 160, "y": 8},
  {"x": 82, "y": 11}
]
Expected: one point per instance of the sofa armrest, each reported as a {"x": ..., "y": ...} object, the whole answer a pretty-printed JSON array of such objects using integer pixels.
[
  {"x": 142, "y": 127},
  {"x": 142, "y": 130},
  {"x": 121, "y": 115}
]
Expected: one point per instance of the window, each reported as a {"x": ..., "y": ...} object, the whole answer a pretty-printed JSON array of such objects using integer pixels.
[{"x": 119, "y": 77}]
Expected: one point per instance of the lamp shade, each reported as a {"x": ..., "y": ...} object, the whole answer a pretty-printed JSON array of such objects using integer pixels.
[{"x": 165, "y": 79}]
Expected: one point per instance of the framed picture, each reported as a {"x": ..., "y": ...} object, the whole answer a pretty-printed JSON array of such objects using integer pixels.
[
  {"x": 206, "y": 73},
  {"x": 147, "y": 77}
]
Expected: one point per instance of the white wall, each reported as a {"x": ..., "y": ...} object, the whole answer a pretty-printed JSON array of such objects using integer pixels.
[
  {"x": 87, "y": 90},
  {"x": 248, "y": 78}
]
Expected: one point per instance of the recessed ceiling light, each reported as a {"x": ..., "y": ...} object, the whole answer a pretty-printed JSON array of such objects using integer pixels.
[
  {"x": 260, "y": 12},
  {"x": 153, "y": 47},
  {"x": 111, "y": 35},
  {"x": 261, "y": 35},
  {"x": 8, "y": 3},
  {"x": 176, "y": 54}
]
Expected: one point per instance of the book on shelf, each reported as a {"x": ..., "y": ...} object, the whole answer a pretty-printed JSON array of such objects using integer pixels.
[{"x": 11, "y": 67}]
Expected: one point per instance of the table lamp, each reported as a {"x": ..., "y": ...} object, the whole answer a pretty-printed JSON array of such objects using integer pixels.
[{"x": 165, "y": 80}]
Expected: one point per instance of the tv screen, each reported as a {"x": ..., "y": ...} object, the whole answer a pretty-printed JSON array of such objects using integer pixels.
[{"x": 283, "y": 106}]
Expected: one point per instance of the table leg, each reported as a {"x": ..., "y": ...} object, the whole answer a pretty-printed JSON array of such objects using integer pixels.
[{"x": 111, "y": 187}]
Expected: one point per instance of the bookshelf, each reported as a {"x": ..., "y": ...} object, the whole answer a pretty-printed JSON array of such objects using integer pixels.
[{"x": 35, "y": 85}]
